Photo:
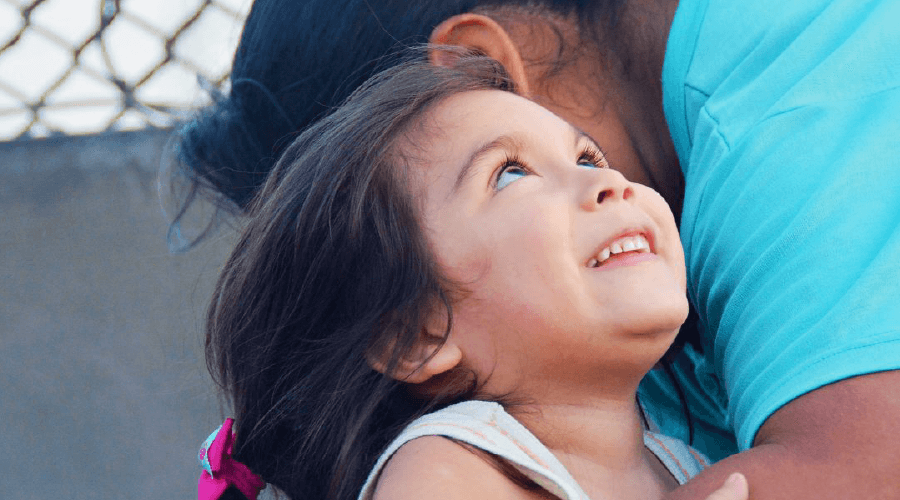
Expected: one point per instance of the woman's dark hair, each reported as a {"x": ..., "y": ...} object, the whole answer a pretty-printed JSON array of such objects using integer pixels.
[
  {"x": 333, "y": 266},
  {"x": 298, "y": 59}
]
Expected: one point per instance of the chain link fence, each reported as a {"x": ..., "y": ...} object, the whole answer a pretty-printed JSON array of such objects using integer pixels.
[{"x": 89, "y": 66}]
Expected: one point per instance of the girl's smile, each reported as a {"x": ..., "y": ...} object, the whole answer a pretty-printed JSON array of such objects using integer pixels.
[{"x": 629, "y": 248}]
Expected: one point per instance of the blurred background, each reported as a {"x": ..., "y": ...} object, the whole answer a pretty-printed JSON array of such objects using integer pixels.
[{"x": 103, "y": 387}]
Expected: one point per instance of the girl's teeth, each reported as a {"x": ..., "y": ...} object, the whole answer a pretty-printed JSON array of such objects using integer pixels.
[{"x": 628, "y": 244}]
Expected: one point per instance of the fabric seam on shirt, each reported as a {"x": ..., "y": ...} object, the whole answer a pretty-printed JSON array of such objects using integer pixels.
[
  {"x": 681, "y": 468},
  {"x": 699, "y": 458}
]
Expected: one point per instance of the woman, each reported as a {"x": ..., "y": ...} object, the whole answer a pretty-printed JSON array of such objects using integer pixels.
[{"x": 782, "y": 119}]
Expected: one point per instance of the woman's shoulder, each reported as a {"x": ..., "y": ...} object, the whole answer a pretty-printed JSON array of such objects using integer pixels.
[{"x": 440, "y": 468}]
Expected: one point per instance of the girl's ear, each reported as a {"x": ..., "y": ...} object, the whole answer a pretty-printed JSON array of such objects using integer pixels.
[
  {"x": 483, "y": 35},
  {"x": 427, "y": 359}
]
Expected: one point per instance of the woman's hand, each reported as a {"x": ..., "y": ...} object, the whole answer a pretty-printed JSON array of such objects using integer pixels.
[{"x": 735, "y": 488}]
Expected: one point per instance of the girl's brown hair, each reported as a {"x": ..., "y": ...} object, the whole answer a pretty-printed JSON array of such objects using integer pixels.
[{"x": 333, "y": 261}]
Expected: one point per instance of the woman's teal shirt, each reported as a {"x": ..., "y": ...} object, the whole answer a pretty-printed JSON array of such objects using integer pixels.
[{"x": 786, "y": 120}]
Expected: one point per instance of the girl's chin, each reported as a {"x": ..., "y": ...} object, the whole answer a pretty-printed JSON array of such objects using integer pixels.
[{"x": 663, "y": 320}]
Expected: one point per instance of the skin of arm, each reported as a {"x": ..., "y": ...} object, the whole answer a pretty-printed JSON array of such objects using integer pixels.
[{"x": 839, "y": 441}]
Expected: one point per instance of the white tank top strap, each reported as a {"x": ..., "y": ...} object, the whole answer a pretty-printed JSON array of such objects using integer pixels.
[{"x": 486, "y": 425}]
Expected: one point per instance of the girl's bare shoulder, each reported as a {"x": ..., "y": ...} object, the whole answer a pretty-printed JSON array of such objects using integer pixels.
[{"x": 441, "y": 469}]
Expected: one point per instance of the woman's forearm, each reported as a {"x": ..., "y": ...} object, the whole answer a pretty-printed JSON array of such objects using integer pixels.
[{"x": 839, "y": 441}]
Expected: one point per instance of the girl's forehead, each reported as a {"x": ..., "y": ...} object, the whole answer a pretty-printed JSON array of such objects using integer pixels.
[{"x": 480, "y": 116}]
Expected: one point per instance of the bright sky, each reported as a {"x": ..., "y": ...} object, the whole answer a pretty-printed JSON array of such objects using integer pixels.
[{"x": 86, "y": 100}]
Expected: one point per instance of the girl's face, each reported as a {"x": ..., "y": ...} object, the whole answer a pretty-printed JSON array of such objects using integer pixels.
[{"x": 570, "y": 267}]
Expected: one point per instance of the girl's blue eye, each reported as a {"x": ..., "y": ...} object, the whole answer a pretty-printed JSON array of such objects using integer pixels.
[
  {"x": 508, "y": 175},
  {"x": 592, "y": 158}
]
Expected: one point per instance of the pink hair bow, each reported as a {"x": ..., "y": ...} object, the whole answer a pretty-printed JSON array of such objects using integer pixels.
[{"x": 221, "y": 471}]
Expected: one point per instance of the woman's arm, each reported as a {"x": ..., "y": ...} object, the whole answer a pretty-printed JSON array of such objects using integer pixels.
[
  {"x": 792, "y": 223},
  {"x": 839, "y": 441}
]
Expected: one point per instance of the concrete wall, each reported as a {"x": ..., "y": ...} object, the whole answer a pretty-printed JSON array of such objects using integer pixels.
[{"x": 103, "y": 387}]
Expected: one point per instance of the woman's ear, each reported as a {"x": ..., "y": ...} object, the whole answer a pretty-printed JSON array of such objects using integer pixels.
[
  {"x": 429, "y": 358},
  {"x": 481, "y": 34}
]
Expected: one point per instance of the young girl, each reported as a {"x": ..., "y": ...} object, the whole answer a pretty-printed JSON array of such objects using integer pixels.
[{"x": 444, "y": 291}]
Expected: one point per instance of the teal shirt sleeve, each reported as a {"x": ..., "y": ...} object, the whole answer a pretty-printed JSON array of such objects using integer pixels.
[{"x": 786, "y": 118}]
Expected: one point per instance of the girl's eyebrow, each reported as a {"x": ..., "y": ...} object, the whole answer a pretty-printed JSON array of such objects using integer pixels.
[
  {"x": 504, "y": 142},
  {"x": 581, "y": 134}
]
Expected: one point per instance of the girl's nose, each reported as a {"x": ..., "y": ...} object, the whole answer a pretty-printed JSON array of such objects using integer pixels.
[{"x": 604, "y": 186}]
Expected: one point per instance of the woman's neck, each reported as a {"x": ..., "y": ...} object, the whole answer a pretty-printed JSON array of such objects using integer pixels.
[{"x": 645, "y": 34}]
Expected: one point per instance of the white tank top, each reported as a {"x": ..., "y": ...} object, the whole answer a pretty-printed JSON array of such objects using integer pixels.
[{"x": 488, "y": 426}]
